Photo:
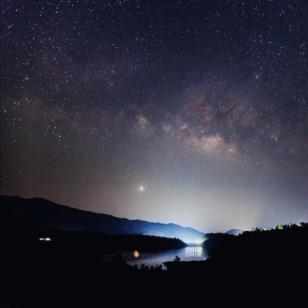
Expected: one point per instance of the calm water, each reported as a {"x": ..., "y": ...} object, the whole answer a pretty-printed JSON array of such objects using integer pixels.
[{"x": 190, "y": 253}]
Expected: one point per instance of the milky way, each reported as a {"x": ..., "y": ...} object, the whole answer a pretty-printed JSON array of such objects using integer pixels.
[{"x": 204, "y": 104}]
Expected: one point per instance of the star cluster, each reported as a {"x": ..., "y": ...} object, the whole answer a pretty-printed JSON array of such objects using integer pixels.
[{"x": 203, "y": 102}]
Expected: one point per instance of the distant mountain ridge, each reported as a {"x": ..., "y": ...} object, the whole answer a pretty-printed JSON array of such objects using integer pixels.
[
  {"x": 234, "y": 232},
  {"x": 47, "y": 214}
]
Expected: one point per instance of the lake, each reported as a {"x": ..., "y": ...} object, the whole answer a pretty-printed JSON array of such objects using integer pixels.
[{"x": 189, "y": 253}]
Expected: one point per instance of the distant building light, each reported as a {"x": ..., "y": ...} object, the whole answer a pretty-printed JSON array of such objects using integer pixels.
[
  {"x": 45, "y": 239},
  {"x": 196, "y": 242}
]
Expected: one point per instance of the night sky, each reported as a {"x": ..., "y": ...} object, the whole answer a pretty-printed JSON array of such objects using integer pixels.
[{"x": 193, "y": 112}]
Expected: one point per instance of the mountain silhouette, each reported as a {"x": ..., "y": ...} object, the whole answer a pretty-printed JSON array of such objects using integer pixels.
[
  {"x": 46, "y": 214},
  {"x": 234, "y": 232}
]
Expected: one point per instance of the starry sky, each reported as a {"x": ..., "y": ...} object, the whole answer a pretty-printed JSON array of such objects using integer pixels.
[{"x": 193, "y": 112}]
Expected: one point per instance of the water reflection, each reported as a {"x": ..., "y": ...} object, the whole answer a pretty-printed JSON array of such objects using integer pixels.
[{"x": 189, "y": 253}]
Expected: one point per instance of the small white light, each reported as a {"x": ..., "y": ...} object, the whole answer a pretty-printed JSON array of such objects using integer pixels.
[{"x": 44, "y": 239}]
